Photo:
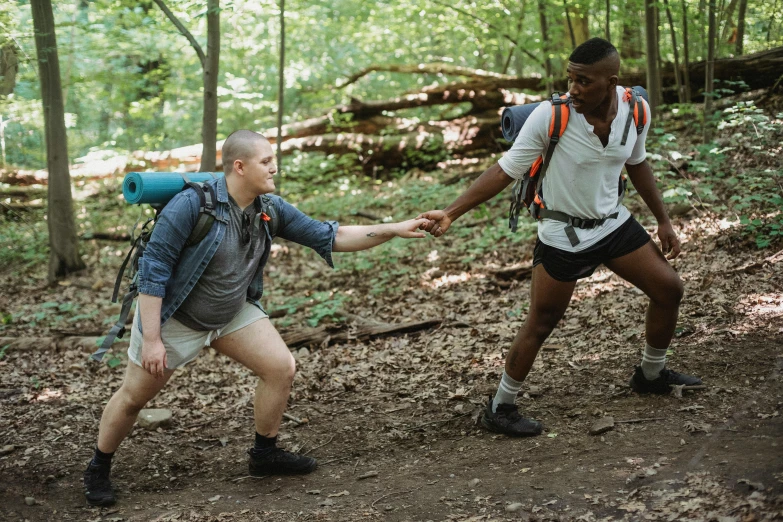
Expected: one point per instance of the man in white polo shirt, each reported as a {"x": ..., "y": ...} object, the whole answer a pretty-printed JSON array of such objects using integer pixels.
[{"x": 582, "y": 182}]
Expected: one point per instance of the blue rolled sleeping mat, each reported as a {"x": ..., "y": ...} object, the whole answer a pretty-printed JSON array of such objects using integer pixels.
[
  {"x": 513, "y": 118},
  {"x": 157, "y": 188}
]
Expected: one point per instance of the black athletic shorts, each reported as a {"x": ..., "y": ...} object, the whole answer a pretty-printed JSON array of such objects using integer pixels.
[{"x": 570, "y": 266}]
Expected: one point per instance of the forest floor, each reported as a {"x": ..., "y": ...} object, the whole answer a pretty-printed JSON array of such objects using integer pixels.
[{"x": 392, "y": 420}]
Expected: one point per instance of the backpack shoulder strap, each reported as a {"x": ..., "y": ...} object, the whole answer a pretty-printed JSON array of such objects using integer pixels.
[
  {"x": 637, "y": 113},
  {"x": 206, "y": 210},
  {"x": 557, "y": 126},
  {"x": 269, "y": 209}
]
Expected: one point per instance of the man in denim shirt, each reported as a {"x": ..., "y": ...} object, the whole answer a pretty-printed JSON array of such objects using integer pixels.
[{"x": 207, "y": 295}]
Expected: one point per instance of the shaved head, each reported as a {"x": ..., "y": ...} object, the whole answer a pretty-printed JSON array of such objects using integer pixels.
[
  {"x": 598, "y": 52},
  {"x": 240, "y": 145}
]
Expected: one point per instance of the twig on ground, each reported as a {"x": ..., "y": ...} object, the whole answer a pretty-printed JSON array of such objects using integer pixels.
[
  {"x": 440, "y": 421},
  {"x": 389, "y": 495},
  {"x": 290, "y": 417},
  {"x": 240, "y": 479},
  {"x": 335, "y": 460},
  {"x": 321, "y": 446},
  {"x": 634, "y": 421}
]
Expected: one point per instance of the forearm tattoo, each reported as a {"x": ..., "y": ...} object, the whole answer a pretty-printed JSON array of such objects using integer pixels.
[{"x": 372, "y": 234}]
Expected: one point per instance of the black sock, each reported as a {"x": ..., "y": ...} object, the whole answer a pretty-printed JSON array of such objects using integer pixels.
[
  {"x": 264, "y": 443},
  {"x": 101, "y": 459}
]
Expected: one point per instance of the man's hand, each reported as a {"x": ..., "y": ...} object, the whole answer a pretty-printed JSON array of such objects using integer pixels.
[
  {"x": 438, "y": 222},
  {"x": 670, "y": 244},
  {"x": 153, "y": 357}
]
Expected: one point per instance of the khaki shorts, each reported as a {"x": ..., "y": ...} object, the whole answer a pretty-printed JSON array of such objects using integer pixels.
[{"x": 184, "y": 344}]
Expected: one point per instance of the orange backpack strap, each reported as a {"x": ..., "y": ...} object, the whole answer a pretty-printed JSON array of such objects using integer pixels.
[
  {"x": 527, "y": 191},
  {"x": 557, "y": 126},
  {"x": 637, "y": 113}
]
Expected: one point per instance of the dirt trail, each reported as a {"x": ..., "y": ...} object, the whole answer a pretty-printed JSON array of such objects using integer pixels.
[{"x": 405, "y": 408}]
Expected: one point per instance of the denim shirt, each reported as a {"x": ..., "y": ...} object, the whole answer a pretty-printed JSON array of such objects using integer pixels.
[{"x": 168, "y": 269}]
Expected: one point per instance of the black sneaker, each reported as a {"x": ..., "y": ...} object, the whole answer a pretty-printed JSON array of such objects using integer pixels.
[
  {"x": 275, "y": 461},
  {"x": 97, "y": 486},
  {"x": 662, "y": 385},
  {"x": 507, "y": 420}
]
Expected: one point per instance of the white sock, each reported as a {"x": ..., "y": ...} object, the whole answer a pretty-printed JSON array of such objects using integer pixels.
[
  {"x": 507, "y": 391},
  {"x": 653, "y": 361}
]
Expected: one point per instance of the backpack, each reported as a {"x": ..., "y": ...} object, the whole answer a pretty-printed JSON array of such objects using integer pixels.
[
  {"x": 206, "y": 218},
  {"x": 528, "y": 192}
]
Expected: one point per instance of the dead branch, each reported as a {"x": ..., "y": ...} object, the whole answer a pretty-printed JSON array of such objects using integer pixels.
[{"x": 424, "y": 68}]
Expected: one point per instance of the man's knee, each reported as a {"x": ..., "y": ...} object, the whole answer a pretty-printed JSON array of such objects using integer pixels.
[
  {"x": 280, "y": 368},
  {"x": 130, "y": 402},
  {"x": 541, "y": 323},
  {"x": 671, "y": 293}
]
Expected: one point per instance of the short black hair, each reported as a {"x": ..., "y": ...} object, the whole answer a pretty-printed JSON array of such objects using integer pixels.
[{"x": 592, "y": 51}]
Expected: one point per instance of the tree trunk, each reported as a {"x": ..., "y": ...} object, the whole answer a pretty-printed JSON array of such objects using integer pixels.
[
  {"x": 652, "y": 55},
  {"x": 709, "y": 71},
  {"x": 608, "y": 15},
  {"x": 581, "y": 24},
  {"x": 280, "y": 93},
  {"x": 570, "y": 26},
  {"x": 685, "y": 43},
  {"x": 677, "y": 72},
  {"x": 545, "y": 45},
  {"x": 211, "y": 67},
  {"x": 728, "y": 26},
  {"x": 513, "y": 48},
  {"x": 63, "y": 241},
  {"x": 630, "y": 40},
  {"x": 9, "y": 68},
  {"x": 741, "y": 26}
]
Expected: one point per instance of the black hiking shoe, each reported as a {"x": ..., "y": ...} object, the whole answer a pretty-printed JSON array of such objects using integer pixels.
[
  {"x": 97, "y": 486},
  {"x": 508, "y": 421},
  {"x": 275, "y": 461},
  {"x": 663, "y": 384}
]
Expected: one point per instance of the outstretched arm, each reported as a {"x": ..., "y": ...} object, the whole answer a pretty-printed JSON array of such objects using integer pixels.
[
  {"x": 352, "y": 238},
  {"x": 486, "y": 187},
  {"x": 644, "y": 182}
]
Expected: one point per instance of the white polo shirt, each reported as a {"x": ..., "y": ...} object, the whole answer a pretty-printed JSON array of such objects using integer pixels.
[{"x": 582, "y": 178}]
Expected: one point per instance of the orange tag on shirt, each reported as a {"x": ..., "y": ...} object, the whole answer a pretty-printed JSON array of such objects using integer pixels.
[{"x": 265, "y": 217}]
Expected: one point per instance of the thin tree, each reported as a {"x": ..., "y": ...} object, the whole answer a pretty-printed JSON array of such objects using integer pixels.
[
  {"x": 741, "y": 26},
  {"x": 64, "y": 255},
  {"x": 545, "y": 44},
  {"x": 280, "y": 92},
  {"x": 513, "y": 48},
  {"x": 685, "y": 53},
  {"x": 651, "y": 44},
  {"x": 570, "y": 27},
  {"x": 606, "y": 30},
  {"x": 210, "y": 64},
  {"x": 709, "y": 69},
  {"x": 677, "y": 72}
]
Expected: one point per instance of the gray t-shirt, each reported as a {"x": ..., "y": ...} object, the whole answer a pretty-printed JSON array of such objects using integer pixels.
[{"x": 221, "y": 290}]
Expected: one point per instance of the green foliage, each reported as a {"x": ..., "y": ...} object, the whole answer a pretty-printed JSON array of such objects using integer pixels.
[
  {"x": 131, "y": 81},
  {"x": 730, "y": 178},
  {"x": 329, "y": 305}
]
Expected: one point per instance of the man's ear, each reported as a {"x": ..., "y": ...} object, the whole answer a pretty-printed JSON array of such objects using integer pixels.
[
  {"x": 239, "y": 167},
  {"x": 613, "y": 81}
]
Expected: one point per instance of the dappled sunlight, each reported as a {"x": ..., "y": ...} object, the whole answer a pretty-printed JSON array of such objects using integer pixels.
[
  {"x": 47, "y": 395},
  {"x": 446, "y": 280},
  {"x": 761, "y": 304}
]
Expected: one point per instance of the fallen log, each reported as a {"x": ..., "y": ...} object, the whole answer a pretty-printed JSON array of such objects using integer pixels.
[
  {"x": 293, "y": 338},
  {"x": 321, "y": 334}
]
